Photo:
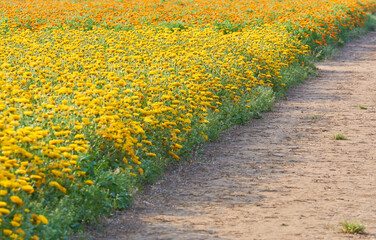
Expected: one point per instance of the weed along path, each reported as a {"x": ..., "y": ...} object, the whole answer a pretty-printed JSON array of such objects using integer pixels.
[{"x": 280, "y": 177}]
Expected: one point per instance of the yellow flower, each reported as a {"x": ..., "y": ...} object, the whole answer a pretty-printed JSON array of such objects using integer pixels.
[
  {"x": 7, "y": 232},
  {"x": 28, "y": 113},
  {"x": 17, "y": 200},
  {"x": 3, "y": 192},
  {"x": 79, "y": 136},
  {"x": 147, "y": 142},
  {"x": 58, "y": 186},
  {"x": 43, "y": 219},
  {"x": 27, "y": 188},
  {"x": 27, "y": 74},
  {"x": 36, "y": 177},
  {"x": 4, "y": 211},
  {"x": 3, "y": 204},
  {"x": 89, "y": 182},
  {"x": 20, "y": 231},
  {"x": 15, "y": 224},
  {"x": 174, "y": 155}
]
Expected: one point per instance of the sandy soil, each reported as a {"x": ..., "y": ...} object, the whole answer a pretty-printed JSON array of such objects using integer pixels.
[{"x": 281, "y": 177}]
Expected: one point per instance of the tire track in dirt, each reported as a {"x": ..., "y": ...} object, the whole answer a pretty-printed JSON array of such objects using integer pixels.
[{"x": 281, "y": 177}]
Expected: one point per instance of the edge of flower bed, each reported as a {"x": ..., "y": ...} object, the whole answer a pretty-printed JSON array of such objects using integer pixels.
[
  {"x": 232, "y": 115},
  {"x": 115, "y": 189}
]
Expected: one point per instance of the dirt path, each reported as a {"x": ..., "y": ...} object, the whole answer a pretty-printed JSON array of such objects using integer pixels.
[{"x": 281, "y": 177}]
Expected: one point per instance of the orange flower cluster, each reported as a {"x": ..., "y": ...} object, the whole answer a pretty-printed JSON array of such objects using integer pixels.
[{"x": 304, "y": 14}]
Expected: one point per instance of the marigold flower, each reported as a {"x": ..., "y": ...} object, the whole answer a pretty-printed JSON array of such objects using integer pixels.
[
  {"x": 15, "y": 224},
  {"x": 174, "y": 155},
  {"x": 4, "y": 211},
  {"x": 43, "y": 219},
  {"x": 89, "y": 182},
  {"x": 28, "y": 189},
  {"x": 7, "y": 232},
  {"x": 17, "y": 200}
]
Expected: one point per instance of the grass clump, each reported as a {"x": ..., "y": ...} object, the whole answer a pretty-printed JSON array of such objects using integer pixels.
[
  {"x": 352, "y": 227},
  {"x": 339, "y": 136}
]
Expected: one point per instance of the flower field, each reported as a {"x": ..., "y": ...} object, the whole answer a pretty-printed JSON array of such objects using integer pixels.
[{"x": 98, "y": 96}]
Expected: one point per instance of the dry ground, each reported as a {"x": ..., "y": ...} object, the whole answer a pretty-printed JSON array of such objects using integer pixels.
[{"x": 281, "y": 177}]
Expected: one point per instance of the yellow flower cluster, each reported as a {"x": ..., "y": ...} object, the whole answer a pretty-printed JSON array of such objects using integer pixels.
[
  {"x": 65, "y": 92},
  {"x": 76, "y": 94}
]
